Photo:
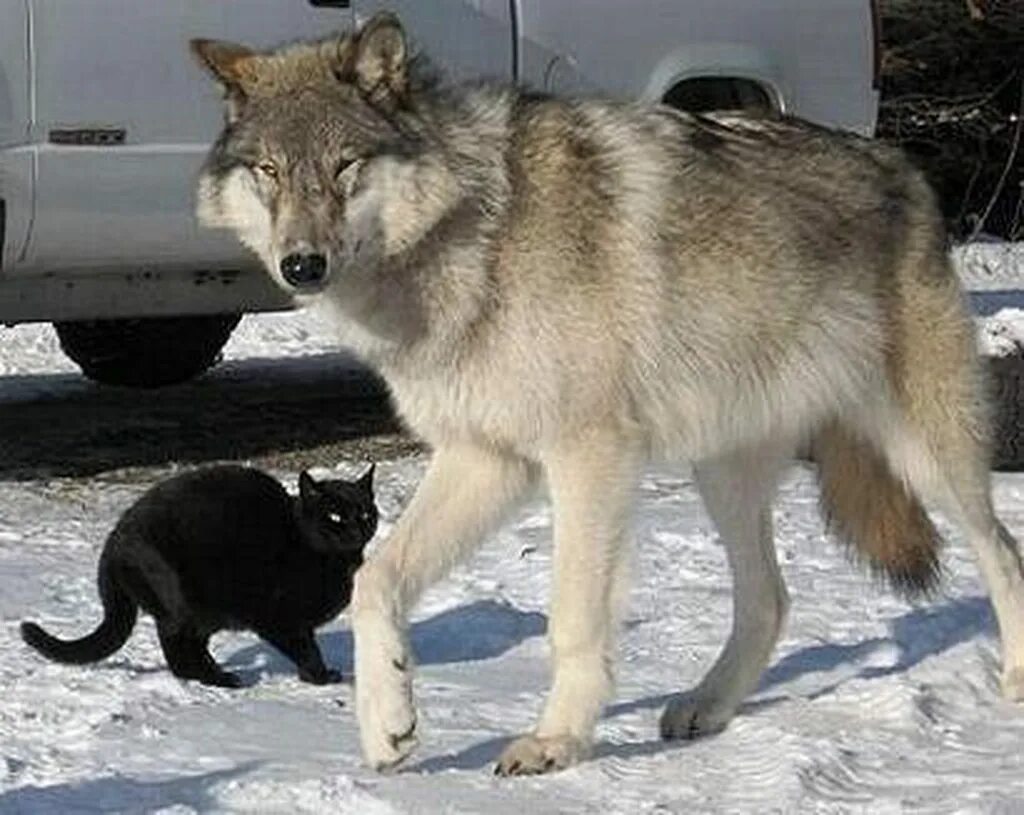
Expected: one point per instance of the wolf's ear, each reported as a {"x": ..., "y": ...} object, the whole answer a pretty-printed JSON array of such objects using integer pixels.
[
  {"x": 231, "y": 65},
  {"x": 380, "y": 61},
  {"x": 226, "y": 61}
]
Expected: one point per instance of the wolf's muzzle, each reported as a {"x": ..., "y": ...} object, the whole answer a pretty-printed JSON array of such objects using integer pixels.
[{"x": 303, "y": 270}]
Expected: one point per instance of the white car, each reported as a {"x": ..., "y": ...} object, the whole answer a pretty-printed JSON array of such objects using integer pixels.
[{"x": 104, "y": 120}]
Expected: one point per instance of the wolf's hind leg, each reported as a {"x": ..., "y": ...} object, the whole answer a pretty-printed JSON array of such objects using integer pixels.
[
  {"x": 951, "y": 469},
  {"x": 1000, "y": 560},
  {"x": 937, "y": 437},
  {"x": 738, "y": 491}
]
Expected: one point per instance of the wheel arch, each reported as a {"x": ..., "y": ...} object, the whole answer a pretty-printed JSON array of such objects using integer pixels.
[{"x": 733, "y": 65}]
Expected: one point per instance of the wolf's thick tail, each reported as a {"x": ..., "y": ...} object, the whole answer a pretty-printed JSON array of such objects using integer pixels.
[
  {"x": 871, "y": 510},
  {"x": 119, "y": 615}
]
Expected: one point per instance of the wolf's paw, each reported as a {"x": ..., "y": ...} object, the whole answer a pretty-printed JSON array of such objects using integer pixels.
[
  {"x": 533, "y": 755},
  {"x": 387, "y": 728},
  {"x": 387, "y": 717},
  {"x": 689, "y": 717},
  {"x": 1013, "y": 684}
]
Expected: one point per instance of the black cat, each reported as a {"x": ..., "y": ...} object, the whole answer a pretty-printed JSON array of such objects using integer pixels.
[{"x": 227, "y": 548}]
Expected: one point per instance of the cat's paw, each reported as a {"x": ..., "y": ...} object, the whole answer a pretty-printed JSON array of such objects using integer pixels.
[{"x": 224, "y": 679}]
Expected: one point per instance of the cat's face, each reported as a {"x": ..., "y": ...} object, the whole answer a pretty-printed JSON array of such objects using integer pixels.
[{"x": 338, "y": 515}]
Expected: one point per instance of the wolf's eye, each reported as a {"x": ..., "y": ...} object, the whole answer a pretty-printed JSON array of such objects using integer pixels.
[
  {"x": 267, "y": 168},
  {"x": 343, "y": 165},
  {"x": 334, "y": 517}
]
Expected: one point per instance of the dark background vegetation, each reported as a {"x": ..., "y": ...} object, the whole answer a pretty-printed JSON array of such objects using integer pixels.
[
  {"x": 952, "y": 76},
  {"x": 953, "y": 97}
]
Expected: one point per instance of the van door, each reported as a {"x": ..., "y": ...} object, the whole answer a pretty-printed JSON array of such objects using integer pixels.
[
  {"x": 124, "y": 118},
  {"x": 15, "y": 156}
]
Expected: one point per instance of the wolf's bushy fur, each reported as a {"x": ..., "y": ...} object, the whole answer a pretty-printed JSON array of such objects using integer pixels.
[
  {"x": 572, "y": 287},
  {"x": 227, "y": 548}
]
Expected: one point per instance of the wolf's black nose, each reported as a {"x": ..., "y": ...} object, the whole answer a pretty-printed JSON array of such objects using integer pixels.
[{"x": 303, "y": 270}]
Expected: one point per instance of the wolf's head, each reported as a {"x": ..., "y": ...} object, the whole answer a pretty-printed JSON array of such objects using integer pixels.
[{"x": 314, "y": 136}]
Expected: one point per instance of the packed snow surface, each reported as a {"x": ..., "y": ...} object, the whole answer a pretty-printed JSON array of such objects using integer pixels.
[{"x": 870, "y": 704}]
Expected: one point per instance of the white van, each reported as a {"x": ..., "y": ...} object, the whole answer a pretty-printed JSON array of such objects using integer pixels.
[{"x": 104, "y": 120}]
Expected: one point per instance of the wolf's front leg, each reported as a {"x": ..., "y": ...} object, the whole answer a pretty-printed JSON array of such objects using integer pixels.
[
  {"x": 464, "y": 493},
  {"x": 592, "y": 489}
]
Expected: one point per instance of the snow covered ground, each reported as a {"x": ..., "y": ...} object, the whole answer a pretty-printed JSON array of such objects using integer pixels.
[{"x": 870, "y": 705}]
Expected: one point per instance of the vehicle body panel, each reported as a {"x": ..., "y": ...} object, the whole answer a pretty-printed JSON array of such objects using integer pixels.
[
  {"x": 121, "y": 215},
  {"x": 97, "y": 206}
]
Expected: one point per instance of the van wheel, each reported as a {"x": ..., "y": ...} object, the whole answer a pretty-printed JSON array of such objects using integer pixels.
[{"x": 146, "y": 352}]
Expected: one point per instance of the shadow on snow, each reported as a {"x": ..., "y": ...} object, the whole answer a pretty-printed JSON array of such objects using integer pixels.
[
  {"x": 916, "y": 635},
  {"x": 484, "y": 629},
  {"x": 118, "y": 793}
]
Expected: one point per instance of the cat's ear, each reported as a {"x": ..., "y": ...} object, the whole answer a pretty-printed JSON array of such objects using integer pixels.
[
  {"x": 307, "y": 486},
  {"x": 366, "y": 482}
]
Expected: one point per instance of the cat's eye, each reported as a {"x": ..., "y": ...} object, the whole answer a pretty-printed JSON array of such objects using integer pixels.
[
  {"x": 267, "y": 168},
  {"x": 334, "y": 517}
]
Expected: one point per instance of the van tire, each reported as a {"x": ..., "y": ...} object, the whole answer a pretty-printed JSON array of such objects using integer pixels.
[{"x": 146, "y": 352}]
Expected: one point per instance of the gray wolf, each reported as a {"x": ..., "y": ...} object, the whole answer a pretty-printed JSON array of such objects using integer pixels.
[
  {"x": 565, "y": 289},
  {"x": 226, "y": 547}
]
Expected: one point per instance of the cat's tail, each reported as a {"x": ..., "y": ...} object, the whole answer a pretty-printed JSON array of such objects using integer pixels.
[{"x": 119, "y": 615}]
